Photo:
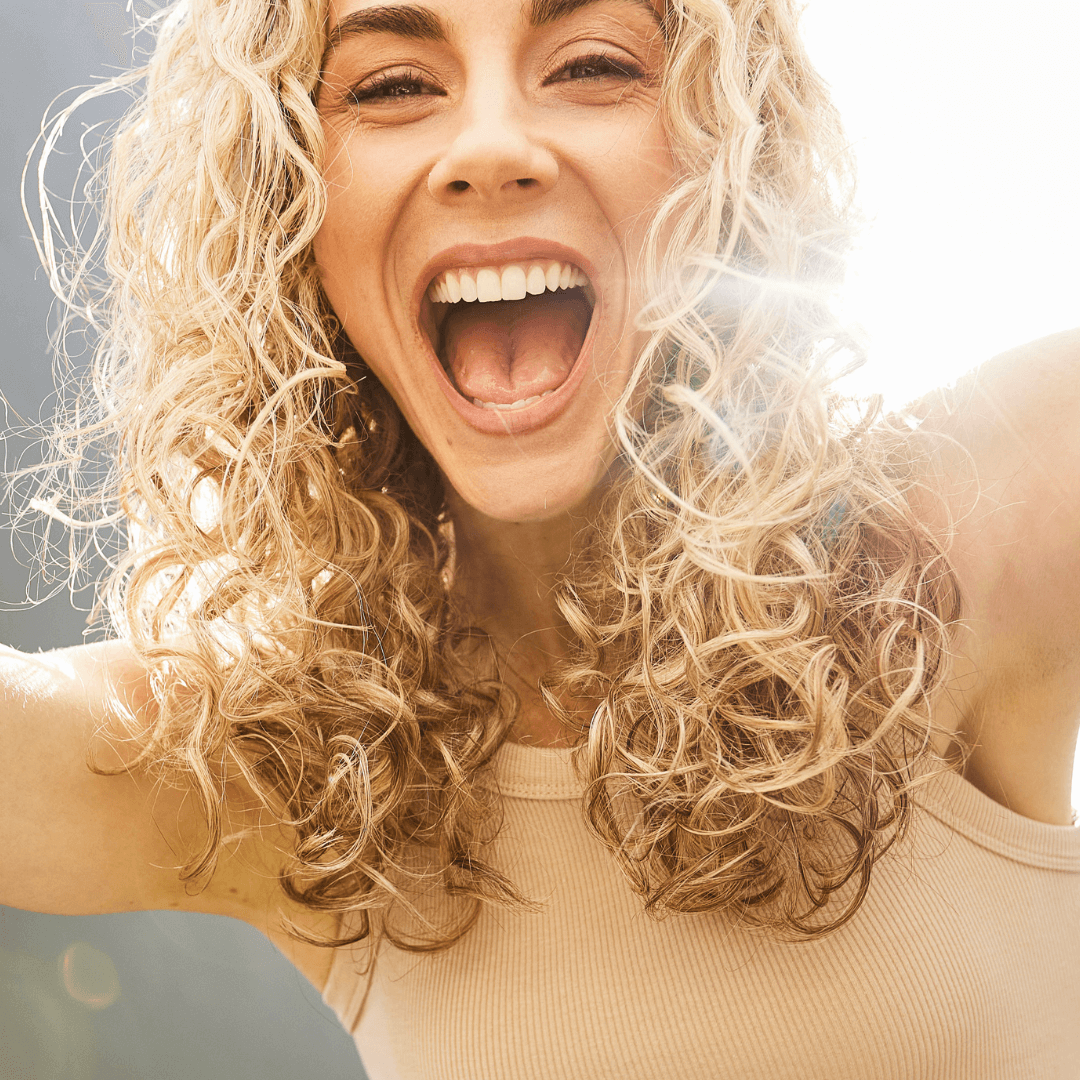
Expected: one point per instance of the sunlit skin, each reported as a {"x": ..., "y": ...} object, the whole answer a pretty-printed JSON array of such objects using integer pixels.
[{"x": 528, "y": 126}]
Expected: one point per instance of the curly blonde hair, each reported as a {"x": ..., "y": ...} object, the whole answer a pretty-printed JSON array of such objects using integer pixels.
[{"x": 757, "y": 608}]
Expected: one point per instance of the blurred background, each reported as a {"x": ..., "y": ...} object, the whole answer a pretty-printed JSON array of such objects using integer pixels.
[{"x": 964, "y": 118}]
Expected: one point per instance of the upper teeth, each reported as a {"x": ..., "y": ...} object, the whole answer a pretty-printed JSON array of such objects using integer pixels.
[{"x": 514, "y": 281}]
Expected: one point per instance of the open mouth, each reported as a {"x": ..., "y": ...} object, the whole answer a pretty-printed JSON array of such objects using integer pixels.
[{"x": 508, "y": 336}]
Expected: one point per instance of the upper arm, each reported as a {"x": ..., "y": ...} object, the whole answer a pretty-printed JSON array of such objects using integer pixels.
[
  {"x": 73, "y": 841},
  {"x": 1012, "y": 482},
  {"x": 1014, "y": 485}
]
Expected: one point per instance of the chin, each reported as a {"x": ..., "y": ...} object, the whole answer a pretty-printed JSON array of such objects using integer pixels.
[{"x": 520, "y": 491}]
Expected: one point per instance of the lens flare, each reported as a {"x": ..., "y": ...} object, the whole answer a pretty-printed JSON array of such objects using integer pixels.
[{"x": 89, "y": 975}]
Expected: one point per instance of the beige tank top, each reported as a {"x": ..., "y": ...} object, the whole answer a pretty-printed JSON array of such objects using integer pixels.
[{"x": 963, "y": 963}]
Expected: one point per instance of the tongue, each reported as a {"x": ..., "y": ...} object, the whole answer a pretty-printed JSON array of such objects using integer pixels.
[{"x": 510, "y": 350}]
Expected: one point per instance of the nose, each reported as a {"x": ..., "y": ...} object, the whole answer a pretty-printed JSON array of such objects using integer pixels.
[{"x": 493, "y": 158}]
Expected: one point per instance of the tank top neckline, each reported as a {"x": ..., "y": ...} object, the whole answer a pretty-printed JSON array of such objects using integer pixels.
[{"x": 520, "y": 771}]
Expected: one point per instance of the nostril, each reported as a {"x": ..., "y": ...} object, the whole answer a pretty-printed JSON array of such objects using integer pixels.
[
  {"x": 459, "y": 185},
  {"x": 527, "y": 182}
]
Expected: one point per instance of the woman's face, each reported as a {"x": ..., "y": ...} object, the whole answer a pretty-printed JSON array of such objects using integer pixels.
[{"x": 508, "y": 149}]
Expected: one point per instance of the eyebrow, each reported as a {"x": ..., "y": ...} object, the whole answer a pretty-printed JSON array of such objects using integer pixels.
[
  {"x": 422, "y": 24},
  {"x": 545, "y": 12}
]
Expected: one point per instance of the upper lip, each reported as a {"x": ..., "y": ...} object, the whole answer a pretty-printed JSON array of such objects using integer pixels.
[{"x": 520, "y": 249}]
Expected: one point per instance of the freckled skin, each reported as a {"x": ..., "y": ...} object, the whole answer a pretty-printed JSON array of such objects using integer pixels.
[{"x": 503, "y": 138}]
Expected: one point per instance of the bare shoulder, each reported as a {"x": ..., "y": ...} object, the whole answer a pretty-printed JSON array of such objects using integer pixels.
[
  {"x": 75, "y": 841},
  {"x": 1009, "y": 472}
]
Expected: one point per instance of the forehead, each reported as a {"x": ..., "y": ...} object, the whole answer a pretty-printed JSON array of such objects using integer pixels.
[{"x": 428, "y": 19}]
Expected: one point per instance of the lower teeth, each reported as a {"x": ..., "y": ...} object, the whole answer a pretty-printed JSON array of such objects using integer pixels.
[{"x": 515, "y": 405}]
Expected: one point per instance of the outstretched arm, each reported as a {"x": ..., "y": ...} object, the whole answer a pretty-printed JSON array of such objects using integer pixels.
[
  {"x": 1017, "y": 554},
  {"x": 73, "y": 842}
]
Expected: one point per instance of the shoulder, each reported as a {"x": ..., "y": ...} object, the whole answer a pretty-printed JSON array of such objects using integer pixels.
[
  {"x": 150, "y": 827},
  {"x": 1011, "y": 476},
  {"x": 1006, "y": 465}
]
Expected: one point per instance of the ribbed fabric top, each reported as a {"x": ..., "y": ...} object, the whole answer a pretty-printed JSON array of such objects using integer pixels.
[{"x": 962, "y": 963}]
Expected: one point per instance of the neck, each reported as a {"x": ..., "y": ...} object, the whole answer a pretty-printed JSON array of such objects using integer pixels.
[{"x": 505, "y": 576}]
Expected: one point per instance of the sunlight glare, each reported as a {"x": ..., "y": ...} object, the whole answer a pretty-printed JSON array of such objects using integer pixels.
[{"x": 962, "y": 117}]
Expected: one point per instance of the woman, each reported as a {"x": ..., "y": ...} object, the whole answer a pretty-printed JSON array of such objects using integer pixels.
[{"x": 469, "y": 365}]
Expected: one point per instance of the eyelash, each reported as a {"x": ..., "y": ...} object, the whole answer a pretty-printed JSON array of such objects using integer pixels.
[
  {"x": 377, "y": 88},
  {"x": 627, "y": 69}
]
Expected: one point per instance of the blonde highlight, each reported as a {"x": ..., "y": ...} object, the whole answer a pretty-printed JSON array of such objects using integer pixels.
[{"x": 757, "y": 607}]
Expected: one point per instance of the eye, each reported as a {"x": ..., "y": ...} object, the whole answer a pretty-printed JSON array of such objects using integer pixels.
[
  {"x": 596, "y": 67},
  {"x": 394, "y": 85}
]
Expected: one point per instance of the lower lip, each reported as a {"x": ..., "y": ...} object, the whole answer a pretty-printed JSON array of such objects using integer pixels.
[{"x": 527, "y": 418}]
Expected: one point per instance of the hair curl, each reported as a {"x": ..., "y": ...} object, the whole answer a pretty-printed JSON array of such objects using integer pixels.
[{"x": 757, "y": 608}]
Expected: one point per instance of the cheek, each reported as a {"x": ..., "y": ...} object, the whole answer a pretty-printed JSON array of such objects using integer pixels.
[
  {"x": 356, "y": 202},
  {"x": 629, "y": 175},
  {"x": 350, "y": 216},
  {"x": 649, "y": 171},
  {"x": 350, "y": 238}
]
